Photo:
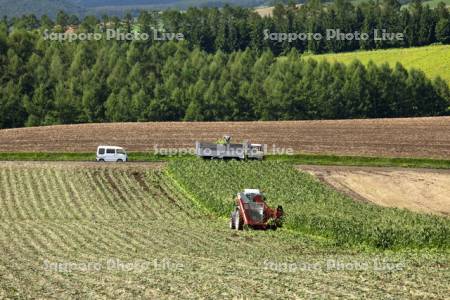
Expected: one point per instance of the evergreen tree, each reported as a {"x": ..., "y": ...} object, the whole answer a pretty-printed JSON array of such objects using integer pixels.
[
  {"x": 443, "y": 30},
  {"x": 118, "y": 106},
  {"x": 356, "y": 91},
  {"x": 11, "y": 108},
  {"x": 443, "y": 92},
  {"x": 401, "y": 93},
  {"x": 62, "y": 19},
  {"x": 38, "y": 106}
]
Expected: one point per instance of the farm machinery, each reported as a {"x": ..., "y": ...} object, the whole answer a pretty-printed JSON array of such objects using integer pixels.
[
  {"x": 252, "y": 211},
  {"x": 224, "y": 149}
]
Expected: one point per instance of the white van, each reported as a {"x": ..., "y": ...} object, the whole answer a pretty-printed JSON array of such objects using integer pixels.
[{"x": 111, "y": 153}]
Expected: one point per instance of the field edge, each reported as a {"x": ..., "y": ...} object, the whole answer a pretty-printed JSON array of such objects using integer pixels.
[{"x": 298, "y": 159}]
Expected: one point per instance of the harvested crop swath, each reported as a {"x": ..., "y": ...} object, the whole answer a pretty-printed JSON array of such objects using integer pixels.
[{"x": 310, "y": 206}]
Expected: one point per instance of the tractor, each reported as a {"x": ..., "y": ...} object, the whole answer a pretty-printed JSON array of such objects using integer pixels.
[{"x": 251, "y": 211}]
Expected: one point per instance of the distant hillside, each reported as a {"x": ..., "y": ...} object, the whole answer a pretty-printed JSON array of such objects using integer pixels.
[
  {"x": 130, "y": 3},
  {"x": 12, "y": 8},
  {"x": 432, "y": 60},
  {"x": 118, "y": 7}
]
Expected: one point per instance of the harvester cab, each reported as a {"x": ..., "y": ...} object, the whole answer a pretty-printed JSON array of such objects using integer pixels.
[{"x": 252, "y": 211}]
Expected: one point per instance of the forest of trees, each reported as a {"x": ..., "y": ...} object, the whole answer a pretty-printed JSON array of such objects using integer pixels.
[
  {"x": 233, "y": 29},
  {"x": 236, "y": 28},
  {"x": 47, "y": 82}
]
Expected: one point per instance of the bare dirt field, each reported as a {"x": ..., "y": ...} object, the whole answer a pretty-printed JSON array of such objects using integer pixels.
[
  {"x": 419, "y": 190},
  {"x": 414, "y": 137},
  {"x": 267, "y": 11}
]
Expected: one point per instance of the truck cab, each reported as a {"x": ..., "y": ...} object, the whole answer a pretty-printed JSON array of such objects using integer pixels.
[
  {"x": 224, "y": 149},
  {"x": 111, "y": 154},
  {"x": 256, "y": 151}
]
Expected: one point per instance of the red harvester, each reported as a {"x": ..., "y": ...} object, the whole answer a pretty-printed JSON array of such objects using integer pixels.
[{"x": 251, "y": 210}]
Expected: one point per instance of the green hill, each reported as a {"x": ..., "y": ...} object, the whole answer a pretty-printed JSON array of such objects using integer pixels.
[
  {"x": 14, "y": 8},
  {"x": 433, "y": 60}
]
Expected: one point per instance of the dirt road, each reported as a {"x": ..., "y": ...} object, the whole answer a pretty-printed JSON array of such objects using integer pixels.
[{"x": 419, "y": 190}]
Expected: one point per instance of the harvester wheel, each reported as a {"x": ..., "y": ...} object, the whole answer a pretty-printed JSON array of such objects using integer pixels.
[
  {"x": 280, "y": 215},
  {"x": 238, "y": 224},
  {"x": 232, "y": 220}
]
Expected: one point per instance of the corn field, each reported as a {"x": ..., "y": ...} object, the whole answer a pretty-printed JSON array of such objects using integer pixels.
[
  {"x": 310, "y": 206},
  {"x": 57, "y": 220}
]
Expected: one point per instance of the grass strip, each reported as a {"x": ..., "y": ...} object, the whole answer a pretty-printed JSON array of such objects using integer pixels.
[
  {"x": 298, "y": 159},
  {"x": 335, "y": 160},
  {"x": 81, "y": 156}
]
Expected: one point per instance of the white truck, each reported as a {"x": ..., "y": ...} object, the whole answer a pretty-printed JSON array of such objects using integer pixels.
[
  {"x": 227, "y": 150},
  {"x": 111, "y": 154}
]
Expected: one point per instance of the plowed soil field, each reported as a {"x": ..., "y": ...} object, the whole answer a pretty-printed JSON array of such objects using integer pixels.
[{"x": 414, "y": 137}]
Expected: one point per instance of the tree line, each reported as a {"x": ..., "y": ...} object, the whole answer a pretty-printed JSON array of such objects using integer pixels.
[
  {"x": 44, "y": 82},
  {"x": 231, "y": 29},
  {"x": 235, "y": 28}
]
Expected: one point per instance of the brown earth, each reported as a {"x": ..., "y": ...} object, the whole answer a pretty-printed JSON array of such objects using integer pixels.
[
  {"x": 264, "y": 11},
  {"x": 419, "y": 190},
  {"x": 414, "y": 137},
  {"x": 267, "y": 11}
]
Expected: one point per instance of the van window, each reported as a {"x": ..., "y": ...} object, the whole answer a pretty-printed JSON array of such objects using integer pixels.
[
  {"x": 110, "y": 151},
  {"x": 120, "y": 151},
  {"x": 101, "y": 151}
]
